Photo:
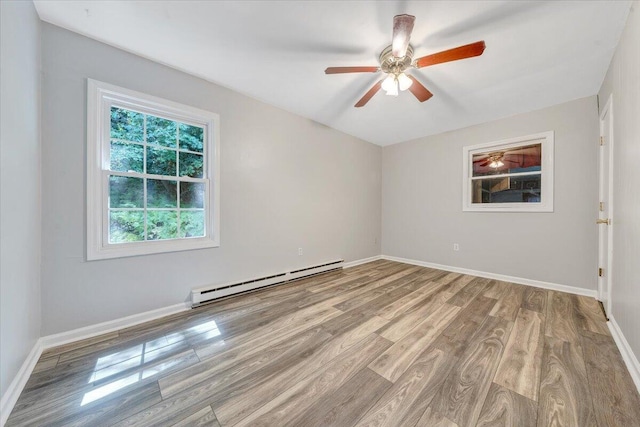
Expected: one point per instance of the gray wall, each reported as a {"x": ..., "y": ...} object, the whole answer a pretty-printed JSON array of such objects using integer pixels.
[
  {"x": 287, "y": 182},
  {"x": 422, "y": 202},
  {"x": 19, "y": 186},
  {"x": 622, "y": 81}
]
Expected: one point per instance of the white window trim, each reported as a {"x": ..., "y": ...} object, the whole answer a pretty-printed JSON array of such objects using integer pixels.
[
  {"x": 546, "y": 185},
  {"x": 99, "y": 98}
]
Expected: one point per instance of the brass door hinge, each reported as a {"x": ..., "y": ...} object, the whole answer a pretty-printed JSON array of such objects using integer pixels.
[
  {"x": 601, "y": 206},
  {"x": 601, "y": 140},
  {"x": 600, "y": 272}
]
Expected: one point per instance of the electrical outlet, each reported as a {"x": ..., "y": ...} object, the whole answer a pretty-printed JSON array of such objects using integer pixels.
[
  {"x": 456, "y": 247},
  {"x": 299, "y": 251}
]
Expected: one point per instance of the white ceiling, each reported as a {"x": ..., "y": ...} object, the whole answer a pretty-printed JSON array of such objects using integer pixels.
[{"x": 538, "y": 53}]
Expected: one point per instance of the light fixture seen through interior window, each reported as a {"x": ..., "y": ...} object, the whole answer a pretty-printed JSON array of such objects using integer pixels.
[
  {"x": 496, "y": 161},
  {"x": 393, "y": 84}
]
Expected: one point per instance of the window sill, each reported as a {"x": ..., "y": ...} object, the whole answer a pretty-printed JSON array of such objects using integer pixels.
[{"x": 149, "y": 248}]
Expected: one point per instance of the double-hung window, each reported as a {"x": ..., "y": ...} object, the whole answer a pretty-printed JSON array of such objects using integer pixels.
[
  {"x": 152, "y": 174},
  {"x": 514, "y": 175}
]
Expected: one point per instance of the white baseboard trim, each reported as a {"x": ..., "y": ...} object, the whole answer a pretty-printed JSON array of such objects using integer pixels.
[
  {"x": 90, "y": 331},
  {"x": 505, "y": 278},
  {"x": 361, "y": 261},
  {"x": 630, "y": 359},
  {"x": 10, "y": 397}
]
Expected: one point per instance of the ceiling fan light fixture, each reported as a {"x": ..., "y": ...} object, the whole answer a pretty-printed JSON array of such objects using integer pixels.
[
  {"x": 389, "y": 84},
  {"x": 394, "y": 89},
  {"x": 404, "y": 82},
  {"x": 496, "y": 163}
]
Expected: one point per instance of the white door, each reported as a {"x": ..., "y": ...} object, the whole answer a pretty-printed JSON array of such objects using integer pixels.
[{"x": 605, "y": 208}]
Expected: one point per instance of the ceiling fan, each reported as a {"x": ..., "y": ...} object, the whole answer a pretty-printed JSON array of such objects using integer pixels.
[
  {"x": 397, "y": 58},
  {"x": 519, "y": 157}
]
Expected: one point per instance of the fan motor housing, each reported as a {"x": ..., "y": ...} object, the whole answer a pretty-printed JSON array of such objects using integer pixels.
[{"x": 391, "y": 64}]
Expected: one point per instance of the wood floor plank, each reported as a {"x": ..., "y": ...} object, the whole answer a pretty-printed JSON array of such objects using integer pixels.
[
  {"x": 395, "y": 273},
  {"x": 496, "y": 289},
  {"x": 202, "y": 418},
  {"x": 339, "y": 284},
  {"x": 273, "y": 332},
  {"x": 510, "y": 302},
  {"x": 615, "y": 398},
  {"x": 401, "y": 286},
  {"x": 504, "y": 408},
  {"x": 448, "y": 277},
  {"x": 283, "y": 408},
  {"x": 247, "y": 362},
  {"x": 463, "y": 328},
  {"x": 431, "y": 418},
  {"x": 367, "y": 284},
  {"x": 463, "y": 393},
  {"x": 273, "y": 379},
  {"x": 387, "y": 297},
  {"x": 564, "y": 398},
  {"x": 465, "y": 295},
  {"x": 72, "y": 411},
  {"x": 561, "y": 322},
  {"x": 458, "y": 283},
  {"x": 407, "y": 399},
  {"x": 409, "y": 301},
  {"x": 77, "y": 345},
  {"x": 403, "y": 325},
  {"x": 56, "y": 394},
  {"x": 45, "y": 364},
  {"x": 78, "y": 372},
  {"x": 589, "y": 316},
  {"x": 348, "y": 404},
  {"x": 231, "y": 382},
  {"x": 395, "y": 361},
  {"x": 519, "y": 368},
  {"x": 535, "y": 299}
]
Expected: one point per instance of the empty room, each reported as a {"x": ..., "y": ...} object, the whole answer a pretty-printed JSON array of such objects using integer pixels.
[{"x": 320, "y": 213}]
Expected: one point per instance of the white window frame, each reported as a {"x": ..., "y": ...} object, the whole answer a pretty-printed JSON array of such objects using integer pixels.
[
  {"x": 100, "y": 97},
  {"x": 546, "y": 173}
]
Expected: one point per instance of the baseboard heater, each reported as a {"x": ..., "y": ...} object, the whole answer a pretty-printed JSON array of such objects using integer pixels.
[{"x": 207, "y": 294}]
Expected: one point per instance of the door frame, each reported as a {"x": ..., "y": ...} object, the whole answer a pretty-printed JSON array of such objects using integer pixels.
[{"x": 608, "y": 109}]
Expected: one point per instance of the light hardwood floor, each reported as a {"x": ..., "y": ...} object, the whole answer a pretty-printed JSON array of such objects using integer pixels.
[{"x": 381, "y": 344}]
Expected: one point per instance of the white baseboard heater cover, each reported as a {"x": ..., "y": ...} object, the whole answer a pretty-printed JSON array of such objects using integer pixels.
[{"x": 203, "y": 295}]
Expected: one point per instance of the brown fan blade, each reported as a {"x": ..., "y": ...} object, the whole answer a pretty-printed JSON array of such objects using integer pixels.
[
  {"x": 367, "y": 96},
  {"x": 340, "y": 70},
  {"x": 462, "y": 52},
  {"x": 402, "y": 28},
  {"x": 419, "y": 91}
]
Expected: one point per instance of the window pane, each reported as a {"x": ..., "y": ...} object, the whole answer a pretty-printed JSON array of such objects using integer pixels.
[
  {"x": 192, "y": 195},
  {"x": 191, "y": 223},
  {"x": 510, "y": 160},
  {"x": 161, "y": 162},
  {"x": 161, "y": 131},
  {"x": 191, "y": 165},
  {"x": 126, "y": 157},
  {"x": 162, "y": 225},
  {"x": 126, "y": 226},
  {"x": 127, "y": 124},
  {"x": 125, "y": 192},
  {"x": 520, "y": 189},
  {"x": 191, "y": 138},
  {"x": 161, "y": 193}
]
